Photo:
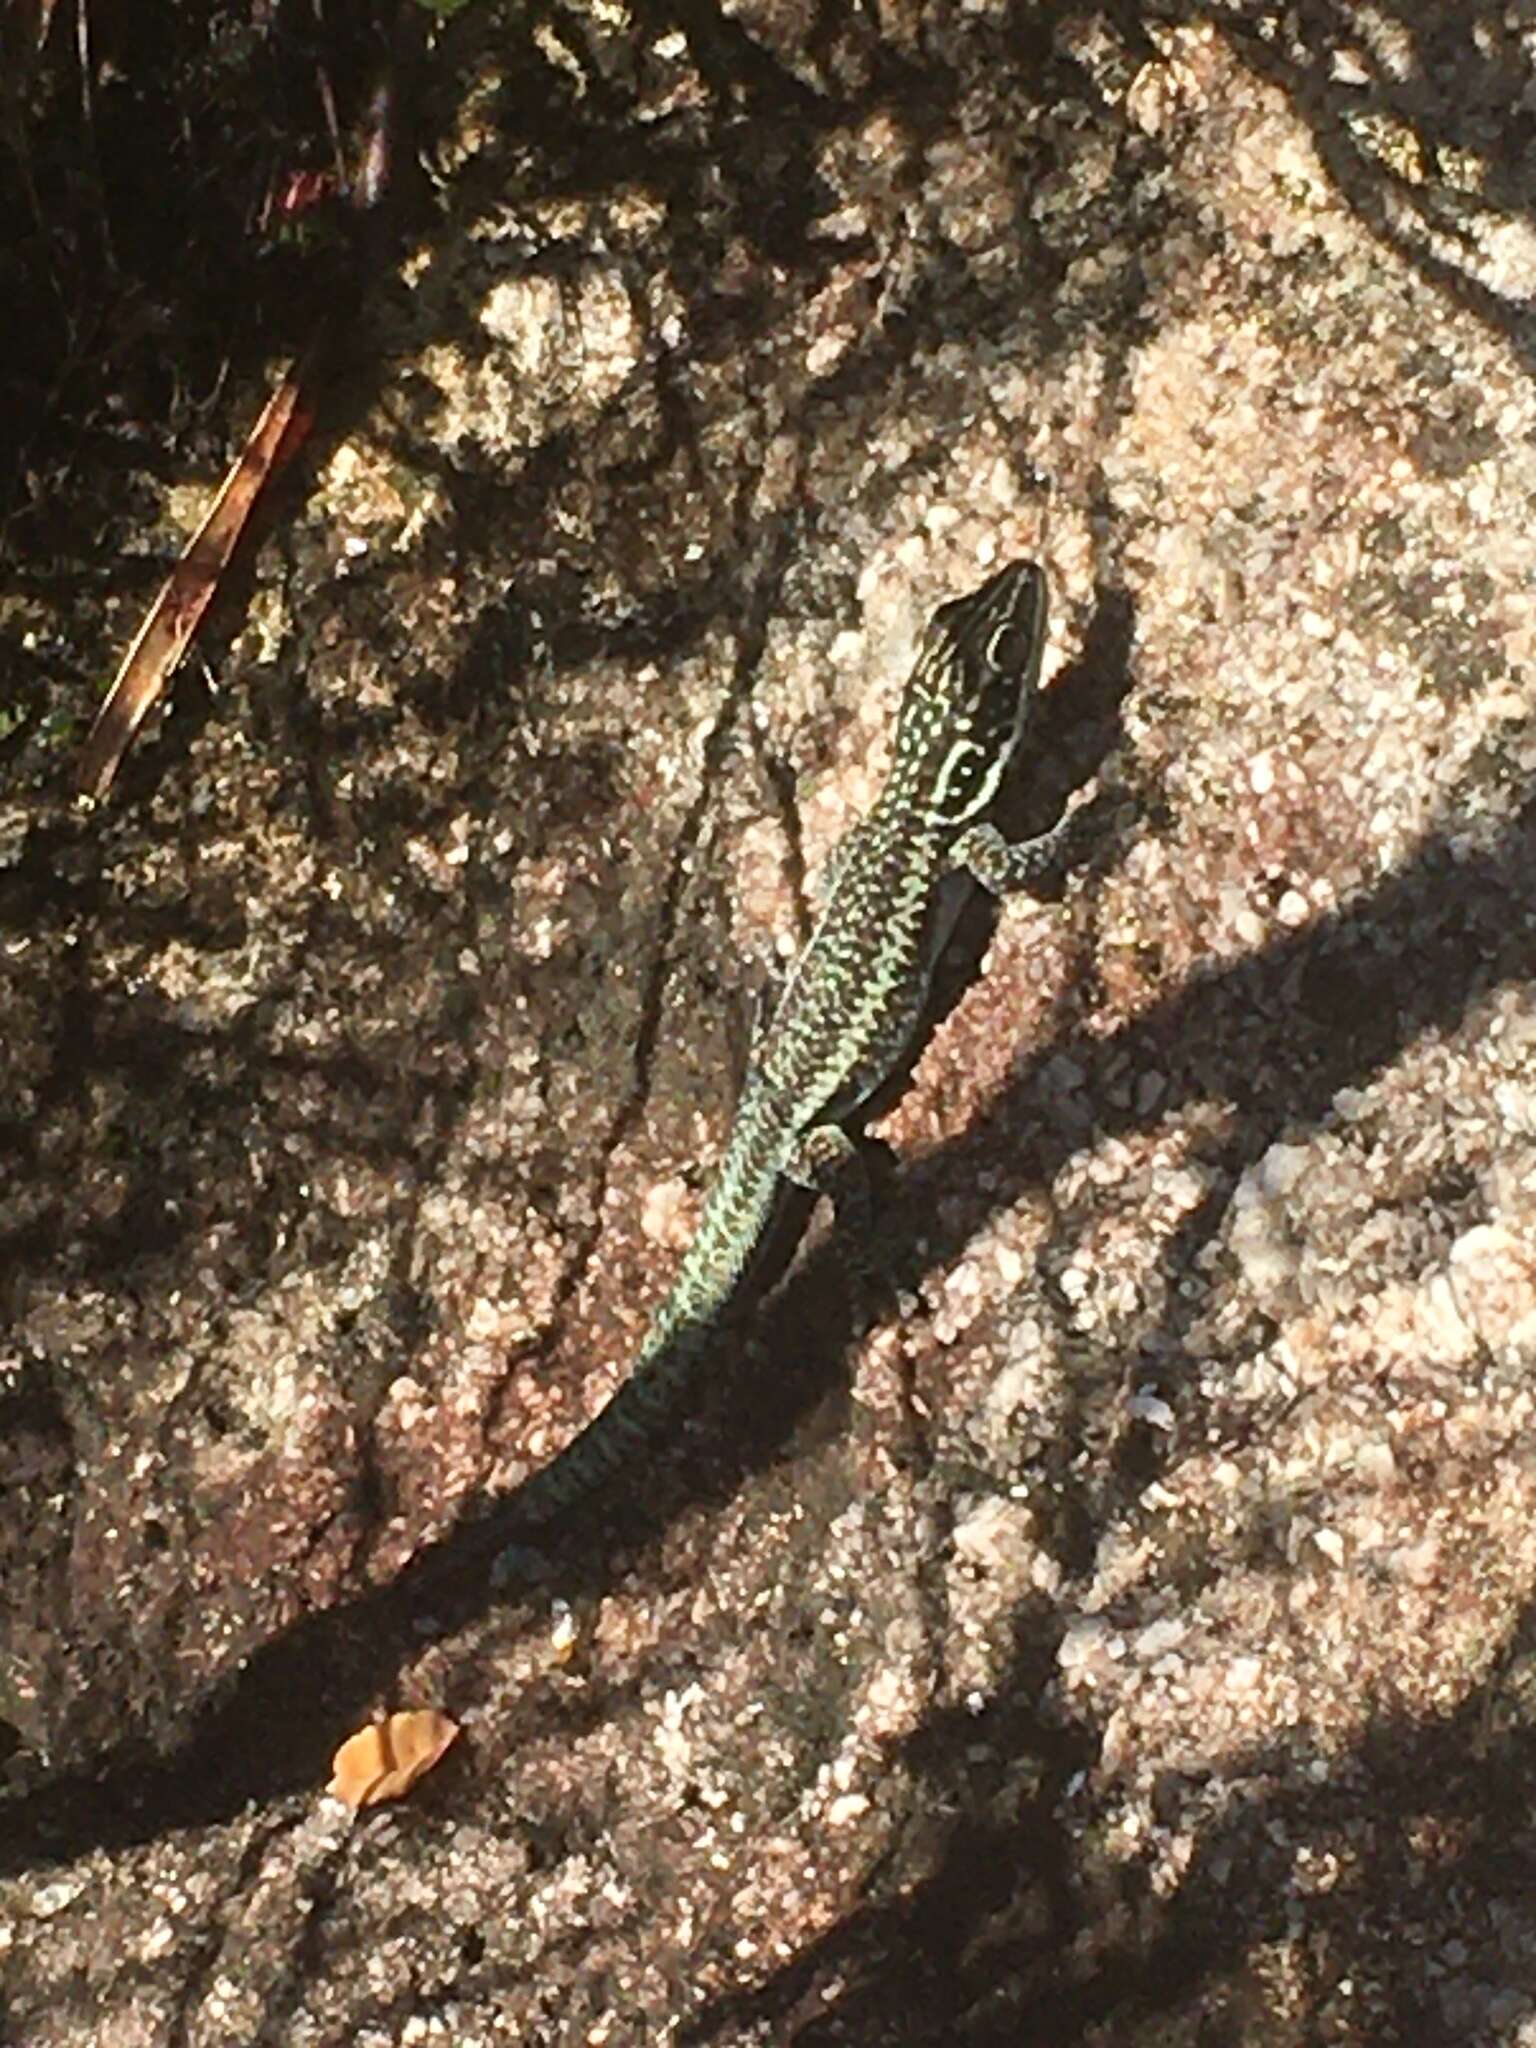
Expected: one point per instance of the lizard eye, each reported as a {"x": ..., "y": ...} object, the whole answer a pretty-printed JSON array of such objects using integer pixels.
[{"x": 1007, "y": 649}]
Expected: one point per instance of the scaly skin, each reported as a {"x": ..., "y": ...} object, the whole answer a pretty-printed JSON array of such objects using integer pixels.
[{"x": 853, "y": 1002}]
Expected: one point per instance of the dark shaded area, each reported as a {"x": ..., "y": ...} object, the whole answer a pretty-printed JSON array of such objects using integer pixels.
[
  {"x": 1461, "y": 95},
  {"x": 1018, "y": 1932},
  {"x": 120, "y": 379},
  {"x": 147, "y": 236}
]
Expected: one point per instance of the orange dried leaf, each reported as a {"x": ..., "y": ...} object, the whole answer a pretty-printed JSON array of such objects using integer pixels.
[{"x": 384, "y": 1760}]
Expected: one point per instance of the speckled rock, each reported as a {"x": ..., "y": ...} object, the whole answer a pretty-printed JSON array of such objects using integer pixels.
[{"x": 1127, "y": 1639}]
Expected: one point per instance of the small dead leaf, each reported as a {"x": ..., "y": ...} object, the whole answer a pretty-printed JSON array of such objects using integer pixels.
[{"x": 384, "y": 1760}]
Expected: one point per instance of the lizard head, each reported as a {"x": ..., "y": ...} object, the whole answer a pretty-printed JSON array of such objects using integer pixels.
[{"x": 976, "y": 674}]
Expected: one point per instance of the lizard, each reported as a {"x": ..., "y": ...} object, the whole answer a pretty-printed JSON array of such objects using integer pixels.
[{"x": 854, "y": 999}]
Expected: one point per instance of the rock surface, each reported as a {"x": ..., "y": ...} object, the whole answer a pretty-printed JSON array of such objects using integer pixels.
[{"x": 1127, "y": 1640}]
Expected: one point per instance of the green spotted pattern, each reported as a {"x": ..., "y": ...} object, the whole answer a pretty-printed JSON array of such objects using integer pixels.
[{"x": 849, "y": 1011}]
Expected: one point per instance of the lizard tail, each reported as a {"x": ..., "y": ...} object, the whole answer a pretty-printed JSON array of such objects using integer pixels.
[{"x": 640, "y": 1413}]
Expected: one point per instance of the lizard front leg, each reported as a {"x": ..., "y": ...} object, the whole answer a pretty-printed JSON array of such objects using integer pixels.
[{"x": 1002, "y": 867}]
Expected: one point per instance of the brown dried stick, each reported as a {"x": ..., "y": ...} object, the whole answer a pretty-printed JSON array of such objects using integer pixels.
[{"x": 184, "y": 596}]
